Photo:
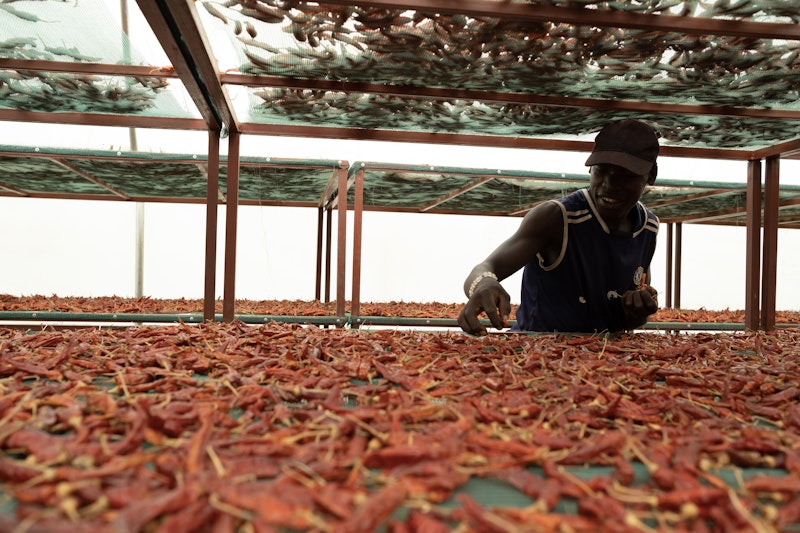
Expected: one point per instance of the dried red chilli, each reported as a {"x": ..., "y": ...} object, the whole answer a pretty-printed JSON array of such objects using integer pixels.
[{"x": 224, "y": 410}]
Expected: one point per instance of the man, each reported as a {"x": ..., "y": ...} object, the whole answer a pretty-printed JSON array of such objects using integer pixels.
[{"x": 586, "y": 256}]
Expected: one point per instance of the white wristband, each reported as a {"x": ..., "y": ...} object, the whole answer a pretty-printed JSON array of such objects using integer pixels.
[{"x": 477, "y": 280}]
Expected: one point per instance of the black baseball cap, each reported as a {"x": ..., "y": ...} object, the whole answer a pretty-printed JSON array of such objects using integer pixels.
[{"x": 630, "y": 144}]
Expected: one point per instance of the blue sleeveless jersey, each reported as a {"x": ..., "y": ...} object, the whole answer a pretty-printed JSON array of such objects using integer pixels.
[{"x": 581, "y": 290}]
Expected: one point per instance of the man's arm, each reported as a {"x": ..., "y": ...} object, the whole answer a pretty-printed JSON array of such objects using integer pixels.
[{"x": 542, "y": 228}]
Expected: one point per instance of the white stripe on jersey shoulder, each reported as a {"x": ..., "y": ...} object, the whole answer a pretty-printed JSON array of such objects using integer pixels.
[
  {"x": 594, "y": 212},
  {"x": 580, "y": 215},
  {"x": 652, "y": 222},
  {"x": 648, "y": 222},
  {"x": 564, "y": 238},
  {"x": 576, "y": 217}
]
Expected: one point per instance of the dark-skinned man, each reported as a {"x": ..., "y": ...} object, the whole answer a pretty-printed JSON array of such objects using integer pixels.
[{"x": 586, "y": 256}]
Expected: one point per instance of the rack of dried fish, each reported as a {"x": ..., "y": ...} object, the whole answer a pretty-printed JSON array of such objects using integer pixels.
[{"x": 394, "y": 47}]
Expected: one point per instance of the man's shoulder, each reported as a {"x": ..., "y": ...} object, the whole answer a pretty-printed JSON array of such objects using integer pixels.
[{"x": 578, "y": 197}]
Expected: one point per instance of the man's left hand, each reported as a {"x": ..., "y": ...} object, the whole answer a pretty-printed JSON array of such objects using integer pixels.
[{"x": 639, "y": 304}]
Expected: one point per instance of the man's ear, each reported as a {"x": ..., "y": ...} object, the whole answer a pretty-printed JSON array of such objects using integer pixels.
[{"x": 651, "y": 179}]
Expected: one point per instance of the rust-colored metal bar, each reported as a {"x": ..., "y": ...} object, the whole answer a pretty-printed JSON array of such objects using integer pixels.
[
  {"x": 687, "y": 198},
  {"x": 358, "y": 216},
  {"x": 177, "y": 26},
  {"x": 341, "y": 243},
  {"x": 183, "y": 47},
  {"x": 231, "y": 222},
  {"x": 770, "y": 252},
  {"x": 320, "y": 233},
  {"x": 14, "y": 190},
  {"x": 593, "y": 17},
  {"x": 99, "y": 119},
  {"x": 325, "y": 199},
  {"x": 753, "y": 247},
  {"x": 785, "y": 149},
  {"x": 212, "y": 195},
  {"x": 678, "y": 265},
  {"x": 205, "y": 68},
  {"x": 670, "y": 273},
  {"x": 204, "y": 169},
  {"x": 452, "y": 194},
  {"x": 94, "y": 69},
  {"x": 7, "y": 190},
  {"x": 328, "y": 241}
]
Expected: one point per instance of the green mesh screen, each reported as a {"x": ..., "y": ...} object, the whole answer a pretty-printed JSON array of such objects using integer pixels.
[
  {"x": 407, "y": 189},
  {"x": 146, "y": 176},
  {"x": 42, "y": 175},
  {"x": 182, "y": 177},
  {"x": 142, "y": 178},
  {"x": 275, "y": 184},
  {"x": 710, "y": 204},
  {"x": 83, "y": 31},
  {"x": 512, "y": 193}
]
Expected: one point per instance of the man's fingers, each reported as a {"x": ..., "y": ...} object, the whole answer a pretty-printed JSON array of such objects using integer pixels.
[
  {"x": 641, "y": 301},
  {"x": 505, "y": 312},
  {"x": 495, "y": 318},
  {"x": 493, "y": 301},
  {"x": 651, "y": 301},
  {"x": 497, "y": 312},
  {"x": 469, "y": 322}
]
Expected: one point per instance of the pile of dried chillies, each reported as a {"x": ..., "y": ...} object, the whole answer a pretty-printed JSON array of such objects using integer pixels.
[
  {"x": 118, "y": 304},
  {"x": 229, "y": 427}
]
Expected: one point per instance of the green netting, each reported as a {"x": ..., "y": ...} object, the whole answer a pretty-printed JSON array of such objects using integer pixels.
[
  {"x": 178, "y": 177},
  {"x": 407, "y": 189},
  {"x": 83, "y": 32},
  {"x": 615, "y": 64},
  {"x": 138, "y": 178},
  {"x": 502, "y": 196},
  {"x": 510, "y": 192},
  {"x": 710, "y": 204},
  {"x": 172, "y": 176},
  {"x": 278, "y": 36},
  {"x": 654, "y": 196},
  {"x": 274, "y": 184},
  {"x": 315, "y": 108},
  {"x": 56, "y": 92},
  {"x": 45, "y": 176}
]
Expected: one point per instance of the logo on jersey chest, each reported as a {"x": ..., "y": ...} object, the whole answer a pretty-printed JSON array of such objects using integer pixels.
[{"x": 638, "y": 277}]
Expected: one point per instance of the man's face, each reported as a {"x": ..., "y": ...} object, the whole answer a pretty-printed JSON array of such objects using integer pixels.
[{"x": 615, "y": 190}]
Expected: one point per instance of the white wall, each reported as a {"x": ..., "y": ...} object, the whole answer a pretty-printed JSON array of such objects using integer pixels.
[{"x": 85, "y": 248}]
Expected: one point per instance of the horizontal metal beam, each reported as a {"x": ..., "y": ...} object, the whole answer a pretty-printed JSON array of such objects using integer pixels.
[
  {"x": 101, "y": 119},
  {"x": 98, "y": 69}
]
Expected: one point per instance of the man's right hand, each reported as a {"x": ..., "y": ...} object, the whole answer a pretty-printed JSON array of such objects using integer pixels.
[{"x": 491, "y": 298}]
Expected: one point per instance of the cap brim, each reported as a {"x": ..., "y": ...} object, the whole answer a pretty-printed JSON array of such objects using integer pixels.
[{"x": 640, "y": 167}]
